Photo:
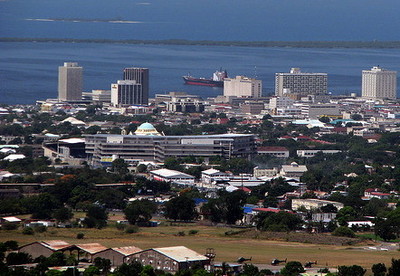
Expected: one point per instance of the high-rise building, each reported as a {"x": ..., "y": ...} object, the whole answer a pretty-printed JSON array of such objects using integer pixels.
[
  {"x": 379, "y": 83},
  {"x": 242, "y": 87},
  {"x": 141, "y": 76},
  {"x": 70, "y": 82},
  {"x": 300, "y": 83},
  {"x": 127, "y": 92}
]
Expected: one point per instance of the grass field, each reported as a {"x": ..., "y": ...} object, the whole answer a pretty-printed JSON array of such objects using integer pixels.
[{"x": 227, "y": 248}]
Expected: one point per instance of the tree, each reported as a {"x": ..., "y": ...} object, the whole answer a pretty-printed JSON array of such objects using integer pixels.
[
  {"x": 133, "y": 268},
  {"x": 346, "y": 214},
  {"x": 119, "y": 166},
  {"x": 292, "y": 268},
  {"x": 324, "y": 119},
  {"x": 379, "y": 269},
  {"x": 11, "y": 245},
  {"x": 329, "y": 208},
  {"x": 181, "y": 208},
  {"x": 250, "y": 270},
  {"x": 63, "y": 214},
  {"x": 395, "y": 268},
  {"x": 41, "y": 206},
  {"x": 103, "y": 264},
  {"x": 227, "y": 208},
  {"x": 91, "y": 271},
  {"x": 282, "y": 221},
  {"x": 18, "y": 258},
  {"x": 140, "y": 211},
  {"x": 356, "y": 117},
  {"x": 354, "y": 270},
  {"x": 172, "y": 163},
  {"x": 96, "y": 217}
]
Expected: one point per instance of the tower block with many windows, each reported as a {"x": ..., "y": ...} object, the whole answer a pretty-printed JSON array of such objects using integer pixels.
[
  {"x": 140, "y": 76},
  {"x": 70, "y": 82},
  {"x": 379, "y": 83}
]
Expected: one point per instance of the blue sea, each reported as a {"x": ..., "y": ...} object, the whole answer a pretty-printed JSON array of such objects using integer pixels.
[{"x": 28, "y": 71}]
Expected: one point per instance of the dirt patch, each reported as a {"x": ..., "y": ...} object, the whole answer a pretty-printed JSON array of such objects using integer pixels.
[{"x": 299, "y": 237}]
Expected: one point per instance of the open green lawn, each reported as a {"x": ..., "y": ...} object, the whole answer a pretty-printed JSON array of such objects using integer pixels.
[{"x": 226, "y": 248}]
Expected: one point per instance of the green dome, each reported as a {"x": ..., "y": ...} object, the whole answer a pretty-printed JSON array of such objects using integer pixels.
[{"x": 146, "y": 126}]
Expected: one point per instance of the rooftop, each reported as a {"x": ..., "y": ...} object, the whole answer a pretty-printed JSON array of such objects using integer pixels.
[{"x": 181, "y": 254}]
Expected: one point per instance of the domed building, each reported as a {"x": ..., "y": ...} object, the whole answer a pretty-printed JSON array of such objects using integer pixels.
[{"x": 147, "y": 129}]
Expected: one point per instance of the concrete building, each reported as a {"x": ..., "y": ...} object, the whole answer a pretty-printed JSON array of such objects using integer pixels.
[
  {"x": 185, "y": 104},
  {"x": 242, "y": 87},
  {"x": 103, "y": 148},
  {"x": 280, "y": 102},
  {"x": 259, "y": 172},
  {"x": 313, "y": 204},
  {"x": 253, "y": 108},
  {"x": 379, "y": 83},
  {"x": 70, "y": 82},
  {"x": 126, "y": 93},
  {"x": 315, "y": 111},
  {"x": 212, "y": 175},
  {"x": 98, "y": 96},
  {"x": 311, "y": 153},
  {"x": 141, "y": 76},
  {"x": 300, "y": 83},
  {"x": 171, "y": 259},
  {"x": 279, "y": 152},
  {"x": 293, "y": 170}
]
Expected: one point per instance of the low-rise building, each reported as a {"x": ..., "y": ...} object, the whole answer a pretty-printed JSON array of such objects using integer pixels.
[
  {"x": 313, "y": 204},
  {"x": 172, "y": 176},
  {"x": 311, "y": 153},
  {"x": 212, "y": 175},
  {"x": 279, "y": 152},
  {"x": 171, "y": 259},
  {"x": 293, "y": 170},
  {"x": 118, "y": 255},
  {"x": 44, "y": 248}
]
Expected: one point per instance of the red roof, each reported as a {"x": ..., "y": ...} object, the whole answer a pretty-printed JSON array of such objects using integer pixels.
[
  {"x": 321, "y": 142},
  {"x": 244, "y": 189},
  {"x": 302, "y": 137}
]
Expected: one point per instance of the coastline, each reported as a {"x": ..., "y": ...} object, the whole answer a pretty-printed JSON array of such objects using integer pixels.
[{"x": 261, "y": 44}]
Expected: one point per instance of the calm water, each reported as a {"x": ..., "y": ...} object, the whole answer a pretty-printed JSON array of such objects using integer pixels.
[
  {"x": 29, "y": 71},
  {"x": 203, "y": 19}
]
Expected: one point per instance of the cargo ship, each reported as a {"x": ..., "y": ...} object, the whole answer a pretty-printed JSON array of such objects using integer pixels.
[{"x": 216, "y": 81}]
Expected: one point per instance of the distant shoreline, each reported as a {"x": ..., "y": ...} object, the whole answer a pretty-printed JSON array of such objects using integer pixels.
[{"x": 281, "y": 44}]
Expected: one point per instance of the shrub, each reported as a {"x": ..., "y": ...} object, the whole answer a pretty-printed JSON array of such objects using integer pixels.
[
  {"x": 80, "y": 236},
  {"x": 344, "y": 231},
  {"x": 28, "y": 231},
  {"x": 131, "y": 229},
  {"x": 181, "y": 233},
  {"x": 9, "y": 226},
  {"x": 193, "y": 232},
  {"x": 40, "y": 229},
  {"x": 120, "y": 226}
]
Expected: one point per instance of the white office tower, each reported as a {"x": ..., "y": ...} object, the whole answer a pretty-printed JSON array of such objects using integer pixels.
[
  {"x": 242, "y": 87},
  {"x": 126, "y": 93},
  {"x": 379, "y": 83},
  {"x": 297, "y": 82},
  {"x": 70, "y": 82}
]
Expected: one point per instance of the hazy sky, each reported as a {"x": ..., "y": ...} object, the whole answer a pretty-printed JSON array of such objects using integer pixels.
[{"x": 206, "y": 19}]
